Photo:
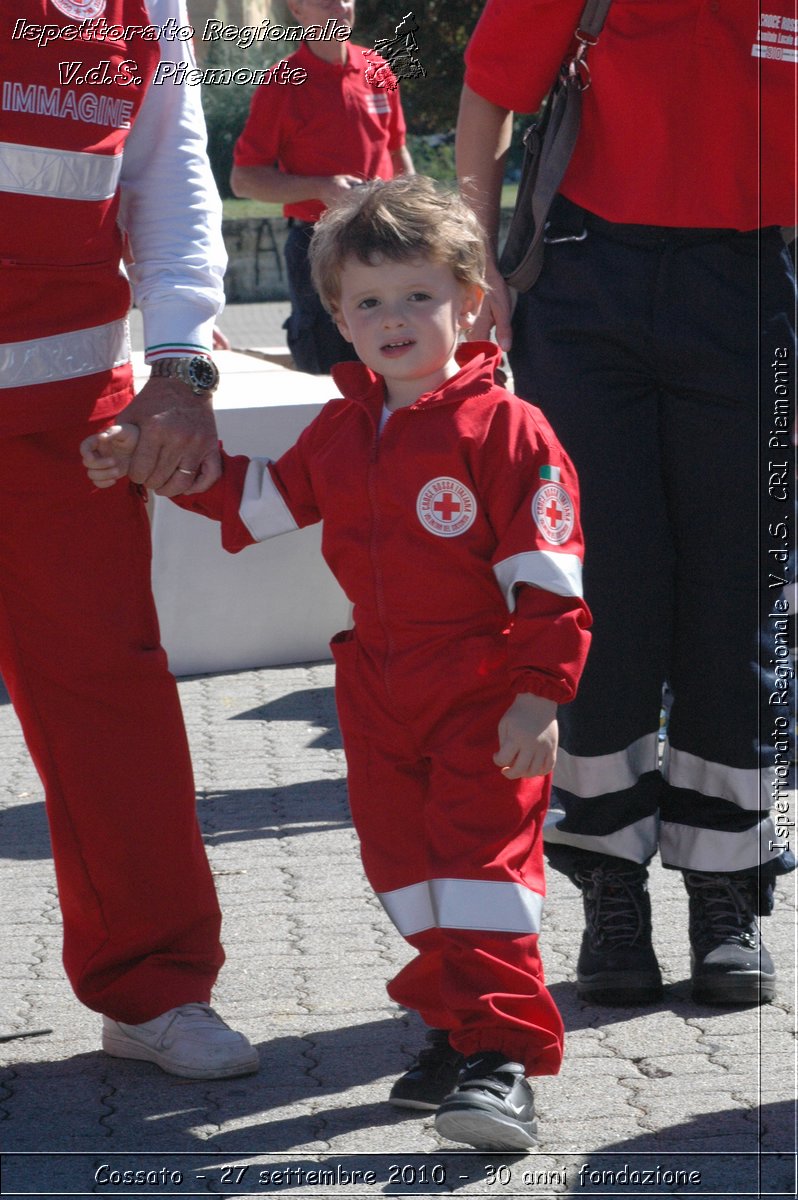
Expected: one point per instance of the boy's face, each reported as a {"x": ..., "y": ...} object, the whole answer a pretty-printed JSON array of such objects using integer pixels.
[{"x": 403, "y": 318}]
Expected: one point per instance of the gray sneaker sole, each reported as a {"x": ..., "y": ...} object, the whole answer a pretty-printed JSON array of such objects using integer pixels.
[
  {"x": 486, "y": 1131},
  {"x": 128, "y": 1048},
  {"x": 419, "y": 1105}
]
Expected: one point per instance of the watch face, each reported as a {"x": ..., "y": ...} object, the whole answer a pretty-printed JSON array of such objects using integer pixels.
[{"x": 203, "y": 374}]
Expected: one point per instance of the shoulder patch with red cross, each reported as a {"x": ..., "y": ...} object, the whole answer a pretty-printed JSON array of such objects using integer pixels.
[{"x": 553, "y": 508}]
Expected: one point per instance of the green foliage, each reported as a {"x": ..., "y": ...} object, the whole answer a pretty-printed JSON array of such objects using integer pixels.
[
  {"x": 430, "y": 103},
  {"x": 225, "y": 107},
  {"x": 433, "y": 157}
]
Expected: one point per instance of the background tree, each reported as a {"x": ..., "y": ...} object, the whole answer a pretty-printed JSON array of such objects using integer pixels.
[{"x": 430, "y": 103}]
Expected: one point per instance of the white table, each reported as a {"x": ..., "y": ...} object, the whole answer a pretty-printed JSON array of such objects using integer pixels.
[{"x": 273, "y": 603}]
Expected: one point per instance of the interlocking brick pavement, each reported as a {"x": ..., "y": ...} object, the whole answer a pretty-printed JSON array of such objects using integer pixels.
[{"x": 671, "y": 1088}]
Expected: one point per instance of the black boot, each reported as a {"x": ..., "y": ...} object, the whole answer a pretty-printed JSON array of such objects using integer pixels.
[
  {"x": 617, "y": 964},
  {"x": 432, "y": 1076},
  {"x": 729, "y": 962}
]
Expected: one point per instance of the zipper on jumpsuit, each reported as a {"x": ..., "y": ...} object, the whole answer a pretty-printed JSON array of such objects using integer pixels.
[{"x": 373, "y": 549}]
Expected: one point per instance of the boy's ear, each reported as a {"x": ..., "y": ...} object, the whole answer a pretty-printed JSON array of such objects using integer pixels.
[
  {"x": 343, "y": 328},
  {"x": 471, "y": 304}
]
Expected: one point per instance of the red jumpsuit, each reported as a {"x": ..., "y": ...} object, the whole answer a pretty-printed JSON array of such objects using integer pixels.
[
  {"x": 456, "y": 536},
  {"x": 79, "y": 643}
]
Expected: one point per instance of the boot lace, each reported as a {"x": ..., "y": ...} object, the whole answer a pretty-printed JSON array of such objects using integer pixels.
[
  {"x": 613, "y": 905},
  {"x": 721, "y": 910}
]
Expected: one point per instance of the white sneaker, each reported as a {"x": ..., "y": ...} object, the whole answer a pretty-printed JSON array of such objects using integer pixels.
[{"x": 192, "y": 1041}]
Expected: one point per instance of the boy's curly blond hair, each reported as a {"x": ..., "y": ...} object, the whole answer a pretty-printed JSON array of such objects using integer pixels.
[{"x": 399, "y": 220}]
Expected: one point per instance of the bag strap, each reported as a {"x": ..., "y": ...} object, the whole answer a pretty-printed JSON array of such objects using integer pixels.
[
  {"x": 556, "y": 149},
  {"x": 558, "y": 146},
  {"x": 591, "y": 23},
  {"x": 593, "y": 17}
]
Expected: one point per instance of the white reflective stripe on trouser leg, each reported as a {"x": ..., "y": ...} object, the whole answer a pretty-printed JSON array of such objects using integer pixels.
[
  {"x": 588, "y": 776},
  {"x": 58, "y": 174},
  {"x": 637, "y": 842},
  {"x": 479, "y": 904},
  {"x": 410, "y": 908},
  {"x": 599, "y": 774},
  {"x": 64, "y": 355},
  {"x": 692, "y": 849},
  {"x": 747, "y": 788}
]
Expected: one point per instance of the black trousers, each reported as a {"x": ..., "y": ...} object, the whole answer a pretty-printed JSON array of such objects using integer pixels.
[
  {"x": 665, "y": 361},
  {"x": 312, "y": 335}
]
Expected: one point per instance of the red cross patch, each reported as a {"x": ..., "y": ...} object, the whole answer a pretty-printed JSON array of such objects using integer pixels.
[
  {"x": 80, "y": 10},
  {"x": 446, "y": 507},
  {"x": 553, "y": 511}
]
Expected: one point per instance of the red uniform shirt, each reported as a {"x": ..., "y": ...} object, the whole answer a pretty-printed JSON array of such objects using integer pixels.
[
  {"x": 60, "y": 245},
  {"x": 690, "y": 120},
  {"x": 333, "y": 123}
]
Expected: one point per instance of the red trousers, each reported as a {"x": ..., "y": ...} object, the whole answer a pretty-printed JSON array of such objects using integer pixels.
[
  {"x": 454, "y": 851},
  {"x": 80, "y": 655}
]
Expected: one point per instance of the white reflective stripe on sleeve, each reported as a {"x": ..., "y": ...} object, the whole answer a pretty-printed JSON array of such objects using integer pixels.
[
  {"x": 410, "y": 908},
  {"x": 486, "y": 904},
  {"x": 545, "y": 569},
  {"x": 637, "y": 842},
  {"x": 693, "y": 849},
  {"x": 600, "y": 774},
  {"x": 263, "y": 510},
  {"x": 464, "y": 904},
  {"x": 58, "y": 174},
  {"x": 64, "y": 356},
  {"x": 748, "y": 789}
]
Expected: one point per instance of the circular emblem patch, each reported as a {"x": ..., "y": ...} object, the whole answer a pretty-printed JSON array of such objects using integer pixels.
[
  {"x": 80, "y": 10},
  {"x": 446, "y": 507},
  {"x": 553, "y": 512}
]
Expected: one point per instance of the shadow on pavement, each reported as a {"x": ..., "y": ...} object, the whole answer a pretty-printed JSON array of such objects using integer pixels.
[
  {"x": 314, "y": 706},
  {"x": 246, "y": 814},
  {"x": 578, "y": 1014},
  {"x": 766, "y": 1168}
]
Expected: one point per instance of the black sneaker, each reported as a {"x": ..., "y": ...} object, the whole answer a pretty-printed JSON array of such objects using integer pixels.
[
  {"x": 617, "y": 963},
  {"x": 729, "y": 962},
  {"x": 431, "y": 1077},
  {"x": 492, "y": 1107}
]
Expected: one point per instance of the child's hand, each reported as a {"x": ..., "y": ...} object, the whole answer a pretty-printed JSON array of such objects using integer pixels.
[
  {"x": 106, "y": 456},
  {"x": 527, "y": 738}
]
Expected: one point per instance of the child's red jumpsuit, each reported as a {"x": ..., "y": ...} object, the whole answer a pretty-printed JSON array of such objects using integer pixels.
[{"x": 459, "y": 521}]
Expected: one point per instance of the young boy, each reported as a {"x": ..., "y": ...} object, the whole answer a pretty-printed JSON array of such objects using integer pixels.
[{"x": 451, "y": 521}]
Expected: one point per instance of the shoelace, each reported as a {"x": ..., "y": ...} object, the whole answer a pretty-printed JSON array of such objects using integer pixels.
[
  {"x": 722, "y": 909},
  {"x": 612, "y": 911},
  {"x": 196, "y": 1013}
]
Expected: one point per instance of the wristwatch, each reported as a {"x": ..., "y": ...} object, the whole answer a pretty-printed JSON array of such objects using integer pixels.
[{"x": 200, "y": 373}]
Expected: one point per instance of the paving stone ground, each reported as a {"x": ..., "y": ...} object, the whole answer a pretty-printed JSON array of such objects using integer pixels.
[{"x": 674, "y": 1099}]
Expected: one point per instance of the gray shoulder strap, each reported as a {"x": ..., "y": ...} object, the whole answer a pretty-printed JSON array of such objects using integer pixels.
[{"x": 593, "y": 17}]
